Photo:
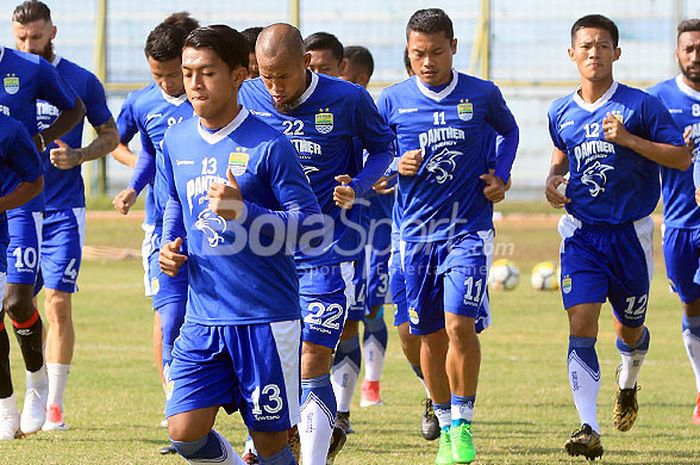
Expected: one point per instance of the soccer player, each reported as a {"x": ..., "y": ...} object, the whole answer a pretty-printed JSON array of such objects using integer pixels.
[
  {"x": 251, "y": 36},
  {"x": 322, "y": 116},
  {"x": 611, "y": 140},
  {"x": 237, "y": 187},
  {"x": 326, "y": 53},
  {"x": 63, "y": 228},
  {"x": 371, "y": 280},
  {"x": 18, "y": 155},
  {"x": 154, "y": 110},
  {"x": 27, "y": 78},
  {"x": 681, "y": 237},
  {"x": 443, "y": 122}
]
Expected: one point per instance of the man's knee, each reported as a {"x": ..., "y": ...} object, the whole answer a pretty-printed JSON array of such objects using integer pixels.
[
  {"x": 18, "y": 303},
  {"x": 58, "y": 307},
  {"x": 315, "y": 360},
  {"x": 692, "y": 309},
  {"x": 350, "y": 330}
]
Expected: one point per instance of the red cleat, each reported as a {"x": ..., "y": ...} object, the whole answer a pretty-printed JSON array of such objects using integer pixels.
[
  {"x": 370, "y": 394},
  {"x": 696, "y": 413}
]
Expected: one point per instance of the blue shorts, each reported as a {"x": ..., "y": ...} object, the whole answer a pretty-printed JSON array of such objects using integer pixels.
[
  {"x": 164, "y": 289},
  {"x": 63, "y": 237},
  {"x": 251, "y": 368},
  {"x": 397, "y": 284},
  {"x": 325, "y": 294},
  {"x": 682, "y": 255},
  {"x": 447, "y": 276},
  {"x": 378, "y": 277},
  {"x": 147, "y": 246},
  {"x": 24, "y": 249},
  {"x": 608, "y": 262}
]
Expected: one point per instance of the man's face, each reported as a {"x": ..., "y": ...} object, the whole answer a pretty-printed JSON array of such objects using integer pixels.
[
  {"x": 35, "y": 37},
  {"x": 285, "y": 78},
  {"x": 594, "y": 53},
  {"x": 253, "y": 70},
  {"x": 354, "y": 73},
  {"x": 323, "y": 61},
  {"x": 431, "y": 56},
  {"x": 688, "y": 54},
  {"x": 210, "y": 84},
  {"x": 167, "y": 75}
]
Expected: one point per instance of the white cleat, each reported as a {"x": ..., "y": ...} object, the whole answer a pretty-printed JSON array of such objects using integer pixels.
[
  {"x": 9, "y": 419},
  {"x": 54, "y": 419},
  {"x": 34, "y": 409}
]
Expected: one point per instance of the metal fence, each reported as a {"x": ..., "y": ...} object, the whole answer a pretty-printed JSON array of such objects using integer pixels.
[{"x": 521, "y": 44}]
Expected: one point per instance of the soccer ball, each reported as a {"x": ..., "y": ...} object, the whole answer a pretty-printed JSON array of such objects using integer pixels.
[
  {"x": 545, "y": 277},
  {"x": 504, "y": 274}
]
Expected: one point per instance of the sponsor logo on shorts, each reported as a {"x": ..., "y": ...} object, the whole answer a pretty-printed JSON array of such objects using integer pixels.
[
  {"x": 413, "y": 315},
  {"x": 566, "y": 284}
]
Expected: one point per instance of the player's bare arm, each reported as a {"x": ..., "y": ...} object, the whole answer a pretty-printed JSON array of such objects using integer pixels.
[
  {"x": 124, "y": 156},
  {"x": 226, "y": 200},
  {"x": 558, "y": 169},
  {"x": 23, "y": 193},
  {"x": 64, "y": 123},
  {"x": 65, "y": 157},
  {"x": 678, "y": 157},
  {"x": 344, "y": 195},
  {"x": 410, "y": 162},
  {"x": 124, "y": 200},
  {"x": 170, "y": 258}
]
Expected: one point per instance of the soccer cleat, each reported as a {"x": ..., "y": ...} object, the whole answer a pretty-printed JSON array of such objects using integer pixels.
[
  {"x": 584, "y": 441},
  {"x": 626, "y": 407},
  {"x": 696, "y": 412},
  {"x": 342, "y": 421},
  {"x": 463, "y": 450},
  {"x": 370, "y": 394},
  {"x": 169, "y": 449},
  {"x": 444, "y": 455},
  {"x": 9, "y": 425},
  {"x": 54, "y": 419},
  {"x": 429, "y": 426},
  {"x": 34, "y": 409},
  {"x": 337, "y": 442},
  {"x": 250, "y": 458}
]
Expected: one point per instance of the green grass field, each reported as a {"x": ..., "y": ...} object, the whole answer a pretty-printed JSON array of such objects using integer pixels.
[{"x": 524, "y": 409}]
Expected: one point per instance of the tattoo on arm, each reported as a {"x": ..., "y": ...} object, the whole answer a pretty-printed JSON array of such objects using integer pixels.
[{"x": 106, "y": 141}]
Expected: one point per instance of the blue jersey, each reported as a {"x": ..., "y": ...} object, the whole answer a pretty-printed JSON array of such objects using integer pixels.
[
  {"x": 240, "y": 271},
  {"x": 126, "y": 125},
  {"x": 610, "y": 184},
  {"x": 27, "y": 78},
  {"x": 454, "y": 128},
  {"x": 154, "y": 112},
  {"x": 64, "y": 188},
  {"x": 677, "y": 187},
  {"x": 18, "y": 156},
  {"x": 331, "y": 115}
]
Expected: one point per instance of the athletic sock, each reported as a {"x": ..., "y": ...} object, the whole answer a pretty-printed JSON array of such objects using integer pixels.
[
  {"x": 29, "y": 334},
  {"x": 283, "y": 457},
  {"x": 632, "y": 359},
  {"x": 374, "y": 343},
  {"x": 584, "y": 378},
  {"x": 346, "y": 370},
  {"x": 691, "y": 339},
  {"x": 5, "y": 373},
  {"x": 211, "y": 448},
  {"x": 462, "y": 409},
  {"x": 443, "y": 412},
  {"x": 318, "y": 409},
  {"x": 58, "y": 379},
  {"x": 419, "y": 373}
]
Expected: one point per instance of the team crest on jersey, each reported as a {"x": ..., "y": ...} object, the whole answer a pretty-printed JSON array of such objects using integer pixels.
[
  {"x": 595, "y": 178},
  {"x": 11, "y": 83},
  {"x": 465, "y": 110},
  {"x": 238, "y": 161},
  {"x": 324, "y": 121},
  {"x": 566, "y": 284},
  {"x": 155, "y": 286},
  {"x": 442, "y": 164}
]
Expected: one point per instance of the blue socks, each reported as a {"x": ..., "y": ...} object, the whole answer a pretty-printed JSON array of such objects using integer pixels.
[
  {"x": 283, "y": 457},
  {"x": 462, "y": 409},
  {"x": 346, "y": 370},
  {"x": 584, "y": 378},
  {"x": 207, "y": 447}
]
